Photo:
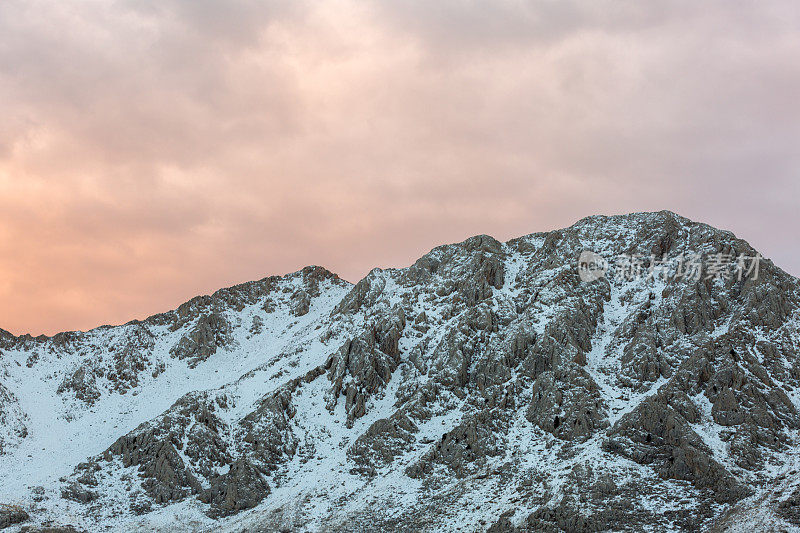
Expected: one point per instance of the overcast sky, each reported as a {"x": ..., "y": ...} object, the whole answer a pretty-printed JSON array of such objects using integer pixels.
[{"x": 153, "y": 150}]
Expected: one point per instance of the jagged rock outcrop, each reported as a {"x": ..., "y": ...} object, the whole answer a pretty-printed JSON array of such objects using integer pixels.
[
  {"x": 12, "y": 419},
  {"x": 364, "y": 365},
  {"x": 464, "y": 449},
  {"x": 300, "y": 302},
  {"x": 82, "y": 383},
  {"x": 266, "y": 433},
  {"x": 211, "y": 331},
  {"x": 655, "y": 434},
  {"x": 11, "y": 515},
  {"x": 155, "y": 451},
  {"x": 568, "y": 406},
  {"x": 243, "y": 486},
  {"x": 132, "y": 359},
  {"x": 385, "y": 440}
]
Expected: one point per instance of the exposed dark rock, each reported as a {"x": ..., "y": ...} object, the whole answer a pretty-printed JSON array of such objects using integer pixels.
[
  {"x": 154, "y": 449},
  {"x": 132, "y": 359},
  {"x": 790, "y": 508},
  {"x": 300, "y": 302},
  {"x": 465, "y": 448},
  {"x": 82, "y": 383},
  {"x": 211, "y": 331},
  {"x": 76, "y": 492},
  {"x": 266, "y": 433},
  {"x": 11, "y": 515},
  {"x": 364, "y": 365},
  {"x": 657, "y": 435},
  {"x": 382, "y": 442},
  {"x": 568, "y": 406},
  {"x": 242, "y": 487}
]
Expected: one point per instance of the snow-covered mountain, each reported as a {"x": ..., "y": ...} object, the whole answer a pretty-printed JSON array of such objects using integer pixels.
[{"x": 487, "y": 387}]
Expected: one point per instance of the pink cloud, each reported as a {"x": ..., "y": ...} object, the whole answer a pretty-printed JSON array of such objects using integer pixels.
[{"x": 153, "y": 151}]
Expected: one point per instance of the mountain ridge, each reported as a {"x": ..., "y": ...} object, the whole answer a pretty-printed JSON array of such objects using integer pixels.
[
  {"x": 582, "y": 221},
  {"x": 485, "y": 387}
]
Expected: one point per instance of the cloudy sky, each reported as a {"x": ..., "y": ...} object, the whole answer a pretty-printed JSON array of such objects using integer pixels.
[{"x": 152, "y": 150}]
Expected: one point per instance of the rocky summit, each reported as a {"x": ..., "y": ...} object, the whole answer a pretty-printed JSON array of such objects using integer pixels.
[{"x": 486, "y": 387}]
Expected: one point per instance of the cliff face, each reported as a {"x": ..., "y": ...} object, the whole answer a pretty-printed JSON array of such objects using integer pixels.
[{"x": 487, "y": 387}]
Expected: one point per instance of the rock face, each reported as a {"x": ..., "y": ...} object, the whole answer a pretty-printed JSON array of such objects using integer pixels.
[
  {"x": 11, "y": 515},
  {"x": 655, "y": 434},
  {"x": 210, "y": 332},
  {"x": 12, "y": 420},
  {"x": 487, "y": 387}
]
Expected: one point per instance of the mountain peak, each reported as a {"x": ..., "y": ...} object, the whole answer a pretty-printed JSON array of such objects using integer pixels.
[{"x": 498, "y": 373}]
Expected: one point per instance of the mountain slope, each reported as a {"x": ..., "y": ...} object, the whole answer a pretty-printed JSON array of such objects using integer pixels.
[{"x": 485, "y": 387}]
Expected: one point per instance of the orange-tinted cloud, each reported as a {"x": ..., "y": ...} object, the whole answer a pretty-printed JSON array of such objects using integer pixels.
[{"x": 150, "y": 151}]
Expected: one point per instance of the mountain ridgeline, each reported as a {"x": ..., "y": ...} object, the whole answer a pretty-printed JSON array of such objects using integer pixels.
[{"x": 486, "y": 387}]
